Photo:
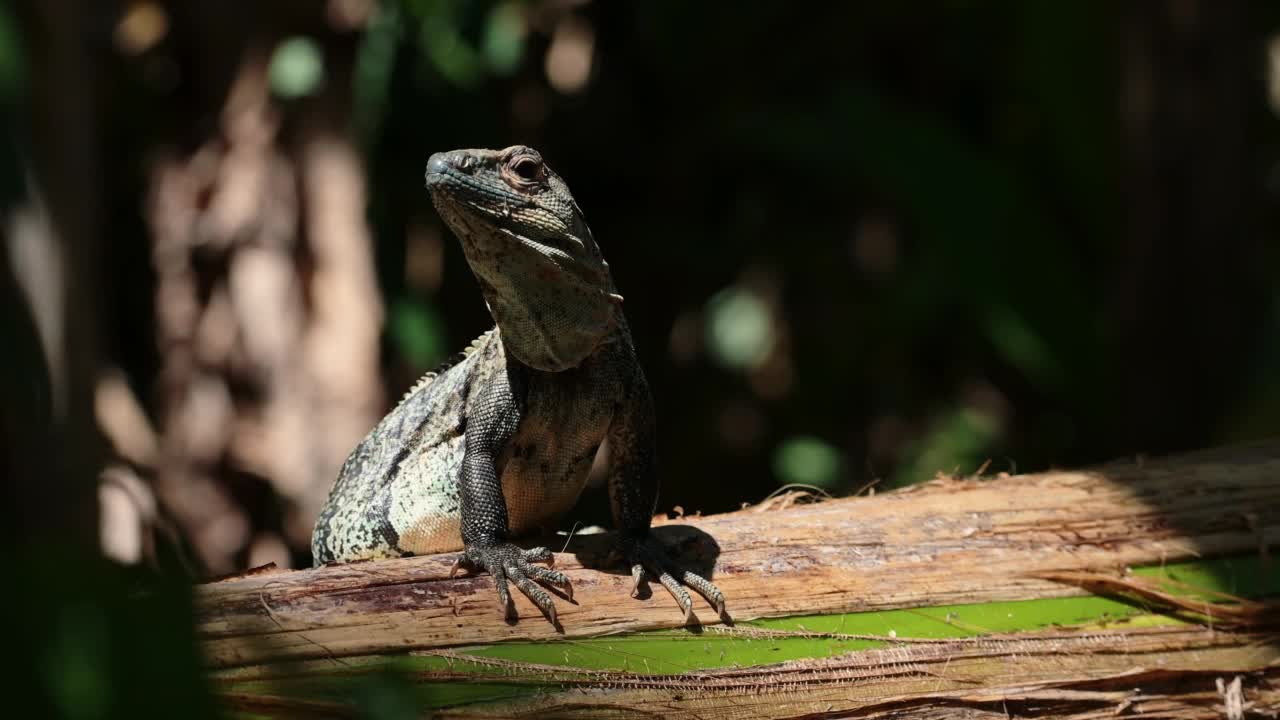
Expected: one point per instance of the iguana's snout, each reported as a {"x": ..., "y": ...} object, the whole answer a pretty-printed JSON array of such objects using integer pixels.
[
  {"x": 437, "y": 166},
  {"x": 440, "y": 164},
  {"x": 515, "y": 173}
]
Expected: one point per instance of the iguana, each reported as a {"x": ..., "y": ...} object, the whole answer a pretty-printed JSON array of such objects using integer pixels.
[{"x": 500, "y": 442}]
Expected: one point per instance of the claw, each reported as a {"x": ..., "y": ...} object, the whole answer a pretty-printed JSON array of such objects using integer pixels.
[
  {"x": 508, "y": 563},
  {"x": 508, "y": 604},
  {"x": 678, "y": 592},
  {"x": 637, "y": 574},
  {"x": 705, "y": 587},
  {"x": 646, "y": 553},
  {"x": 457, "y": 565}
]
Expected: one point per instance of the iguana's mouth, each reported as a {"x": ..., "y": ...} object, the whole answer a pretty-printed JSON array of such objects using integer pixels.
[{"x": 464, "y": 194}]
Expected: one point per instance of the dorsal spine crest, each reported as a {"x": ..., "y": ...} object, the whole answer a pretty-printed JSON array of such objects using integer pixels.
[{"x": 440, "y": 369}]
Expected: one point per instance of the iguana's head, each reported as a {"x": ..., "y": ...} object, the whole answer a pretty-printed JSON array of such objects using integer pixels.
[{"x": 542, "y": 274}]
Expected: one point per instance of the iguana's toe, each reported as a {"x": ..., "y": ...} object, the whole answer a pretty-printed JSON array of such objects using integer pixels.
[
  {"x": 647, "y": 554},
  {"x": 506, "y": 561}
]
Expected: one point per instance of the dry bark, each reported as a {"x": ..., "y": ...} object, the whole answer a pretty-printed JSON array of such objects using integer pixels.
[{"x": 949, "y": 541}]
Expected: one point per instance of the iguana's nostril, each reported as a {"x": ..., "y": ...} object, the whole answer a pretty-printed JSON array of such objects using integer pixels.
[
  {"x": 438, "y": 164},
  {"x": 442, "y": 164}
]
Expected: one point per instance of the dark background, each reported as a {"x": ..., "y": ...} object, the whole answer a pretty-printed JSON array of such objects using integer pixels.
[{"x": 860, "y": 243}]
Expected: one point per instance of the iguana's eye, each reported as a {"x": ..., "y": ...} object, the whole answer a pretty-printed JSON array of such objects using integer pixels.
[{"x": 527, "y": 168}]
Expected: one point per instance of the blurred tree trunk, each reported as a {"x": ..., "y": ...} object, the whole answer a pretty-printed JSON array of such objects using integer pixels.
[
  {"x": 268, "y": 313},
  {"x": 53, "y": 255},
  {"x": 1188, "y": 289}
]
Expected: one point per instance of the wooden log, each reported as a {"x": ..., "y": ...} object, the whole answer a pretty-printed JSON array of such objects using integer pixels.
[{"x": 949, "y": 541}]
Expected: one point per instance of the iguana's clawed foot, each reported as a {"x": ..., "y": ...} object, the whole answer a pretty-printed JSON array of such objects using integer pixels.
[
  {"x": 505, "y": 561},
  {"x": 645, "y": 553}
]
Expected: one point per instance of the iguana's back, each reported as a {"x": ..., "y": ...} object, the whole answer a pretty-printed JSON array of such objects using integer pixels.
[{"x": 357, "y": 520}]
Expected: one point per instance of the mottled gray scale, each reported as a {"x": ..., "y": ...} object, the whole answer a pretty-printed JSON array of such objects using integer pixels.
[{"x": 364, "y": 517}]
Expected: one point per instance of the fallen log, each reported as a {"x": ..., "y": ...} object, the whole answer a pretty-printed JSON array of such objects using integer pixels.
[{"x": 953, "y": 542}]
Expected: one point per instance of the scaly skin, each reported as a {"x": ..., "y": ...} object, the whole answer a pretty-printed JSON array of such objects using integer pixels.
[{"x": 499, "y": 443}]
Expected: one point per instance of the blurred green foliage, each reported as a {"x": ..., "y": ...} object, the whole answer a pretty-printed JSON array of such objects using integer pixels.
[
  {"x": 297, "y": 68},
  {"x": 417, "y": 330},
  {"x": 91, "y": 640},
  {"x": 12, "y": 68},
  {"x": 807, "y": 461},
  {"x": 739, "y": 330}
]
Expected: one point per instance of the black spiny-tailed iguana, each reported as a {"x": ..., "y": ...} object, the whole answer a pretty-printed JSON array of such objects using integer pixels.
[{"x": 500, "y": 442}]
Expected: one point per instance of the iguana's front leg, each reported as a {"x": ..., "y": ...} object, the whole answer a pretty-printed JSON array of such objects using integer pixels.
[
  {"x": 633, "y": 492},
  {"x": 492, "y": 418}
]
